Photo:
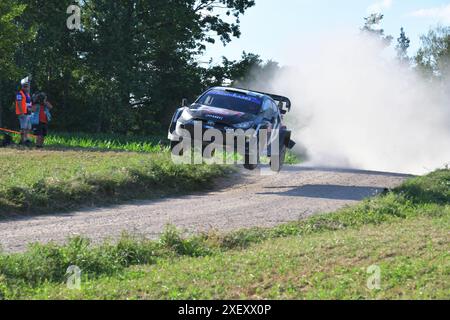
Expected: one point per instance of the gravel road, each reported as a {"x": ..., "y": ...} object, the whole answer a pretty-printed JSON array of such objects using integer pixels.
[{"x": 247, "y": 199}]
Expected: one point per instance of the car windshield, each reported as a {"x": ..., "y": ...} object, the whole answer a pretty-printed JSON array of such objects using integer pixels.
[{"x": 235, "y": 101}]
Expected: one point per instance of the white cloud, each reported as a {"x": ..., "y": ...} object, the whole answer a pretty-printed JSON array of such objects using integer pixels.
[
  {"x": 441, "y": 13},
  {"x": 380, "y": 6}
]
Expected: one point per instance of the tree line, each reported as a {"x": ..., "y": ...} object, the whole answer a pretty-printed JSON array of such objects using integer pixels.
[
  {"x": 433, "y": 58},
  {"x": 126, "y": 69}
]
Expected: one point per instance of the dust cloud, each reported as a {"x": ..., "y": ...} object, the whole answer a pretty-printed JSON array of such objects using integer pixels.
[{"x": 356, "y": 106}]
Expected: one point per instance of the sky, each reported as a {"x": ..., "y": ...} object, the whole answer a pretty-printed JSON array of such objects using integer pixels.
[{"x": 273, "y": 26}]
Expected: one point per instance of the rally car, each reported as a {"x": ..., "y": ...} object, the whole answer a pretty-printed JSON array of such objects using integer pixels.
[{"x": 231, "y": 111}]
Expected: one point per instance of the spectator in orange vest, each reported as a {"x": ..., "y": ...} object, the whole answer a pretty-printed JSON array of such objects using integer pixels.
[
  {"x": 23, "y": 110},
  {"x": 41, "y": 117}
]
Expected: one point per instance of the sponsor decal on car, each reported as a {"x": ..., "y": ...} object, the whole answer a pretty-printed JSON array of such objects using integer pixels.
[
  {"x": 220, "y": 112},
  {"x": 212, "y": 116},
  {"x": 237, "y": 95}
]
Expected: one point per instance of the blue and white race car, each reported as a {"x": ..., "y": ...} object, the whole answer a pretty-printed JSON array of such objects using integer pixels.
[{"x": 223, "y": 111}]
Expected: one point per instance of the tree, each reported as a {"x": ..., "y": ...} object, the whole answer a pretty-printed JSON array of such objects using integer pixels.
[
  {"x": 207, "y": 20},
  {"x": 148, "y": 55},
  {"x": 433, "y": 58},
  {"x": 11, "y": 36},
  {"x": 52, "y": 56},
  {"x": 252, "y": 73},
  {"x": 128, "y": 66},
  {"x": 370, "y": 27},
  {"x": 403, "y": 43},
  {"x": 249, "y": 72}
]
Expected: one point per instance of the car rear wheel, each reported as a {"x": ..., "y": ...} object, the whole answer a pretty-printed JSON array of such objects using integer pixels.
[
  {"x": 277, "y": 165},
  {"x": 248, "y": 163},
  {"x": 250, "y": 167}
]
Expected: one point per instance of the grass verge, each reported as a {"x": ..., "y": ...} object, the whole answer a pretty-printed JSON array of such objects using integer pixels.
[
  {"x": 121, "y": 143},
  {"x": 36, "y": 182},
  {"x": 107, "y": 142},
  {"x": 404, "y": 233}
]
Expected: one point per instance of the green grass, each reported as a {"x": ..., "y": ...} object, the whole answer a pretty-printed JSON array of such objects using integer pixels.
[
  {"x": 108, "y": 142},
  {"x": 292, "y": 158},
  {"x": 48, "y": 181},
  {"x": 117, "y": 142},
  {"x": 404, "y": 232},
  {"x": 104, "y": 142}
]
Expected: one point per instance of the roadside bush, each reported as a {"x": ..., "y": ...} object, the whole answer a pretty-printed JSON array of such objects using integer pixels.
[
  {"x": 434, "y": 188},
  {"x": 193, "y": 247},
  {"x": 49, "y": 262}
]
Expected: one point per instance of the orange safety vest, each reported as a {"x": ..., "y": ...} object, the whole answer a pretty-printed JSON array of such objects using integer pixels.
[{"x": 21, "y": 103}]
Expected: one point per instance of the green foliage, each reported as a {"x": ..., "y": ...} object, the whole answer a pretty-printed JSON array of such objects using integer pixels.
[
  {"x": 434, "y": 189},
  {"x": 11, "y": 36},
  {"x": 48, "y": 263},
  {"x": 370, "y": 27},
  {"x": 248, "y": 72},
  {"x": 109, "y": 142},
  {"x": 126, "y": 69},
  {"x": 403, "y": 44},
  {"x": 433, "y": 58},
  {"x": 193, "y": 247}
]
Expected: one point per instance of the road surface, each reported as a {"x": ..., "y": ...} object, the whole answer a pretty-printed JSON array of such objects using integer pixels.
[{"x": 241, "y": 201}]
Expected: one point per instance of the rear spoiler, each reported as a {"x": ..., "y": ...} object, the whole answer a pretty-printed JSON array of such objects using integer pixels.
[{"x": 284, "y": 103}]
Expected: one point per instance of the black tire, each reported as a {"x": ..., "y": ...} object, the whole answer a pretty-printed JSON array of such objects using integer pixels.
[
  {"x": 249, "y": 166},
  {"x": 276, "y": 167}
]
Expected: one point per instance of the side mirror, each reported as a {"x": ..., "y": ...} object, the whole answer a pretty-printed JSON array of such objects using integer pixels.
[{"x": 184, "y": 103}]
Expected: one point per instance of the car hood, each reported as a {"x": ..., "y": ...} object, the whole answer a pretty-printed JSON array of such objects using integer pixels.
[{"x": 219, "y": 115}]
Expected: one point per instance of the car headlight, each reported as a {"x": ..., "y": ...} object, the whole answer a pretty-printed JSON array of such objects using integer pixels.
[
  {"x": 186, "y": 116},
  {"x": 244, "y": 125}
]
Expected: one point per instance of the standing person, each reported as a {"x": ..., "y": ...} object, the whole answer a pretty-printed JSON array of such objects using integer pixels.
[
  {"x": 23, "y": 110},
  {"x": 41, "y": 117}
]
